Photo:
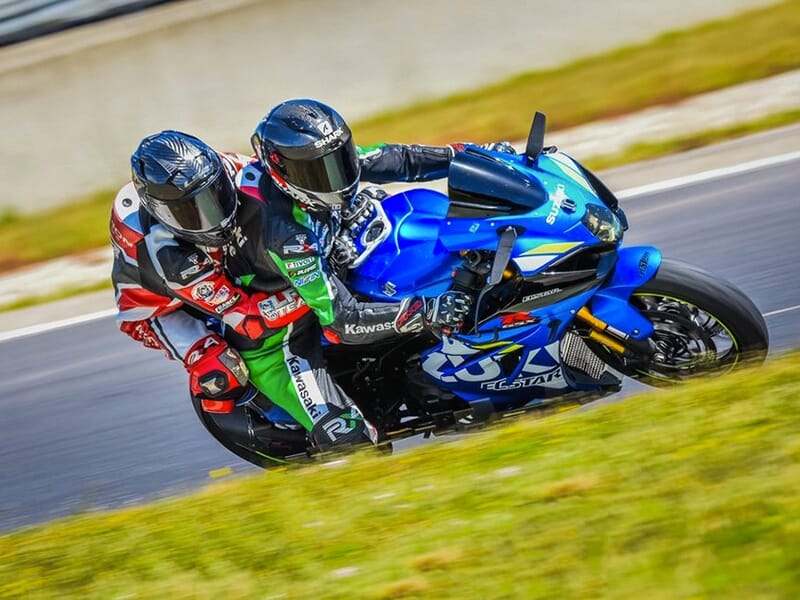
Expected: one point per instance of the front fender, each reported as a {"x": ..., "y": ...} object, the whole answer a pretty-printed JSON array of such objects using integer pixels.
[{"x": 635, "y": 266}]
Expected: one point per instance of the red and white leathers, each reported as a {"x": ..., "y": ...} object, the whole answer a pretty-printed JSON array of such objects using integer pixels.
[{"x": 166, "y": 289}]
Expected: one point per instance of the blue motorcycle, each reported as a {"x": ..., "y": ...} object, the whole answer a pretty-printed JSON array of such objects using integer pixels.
[{"x": 562, "y": 310}]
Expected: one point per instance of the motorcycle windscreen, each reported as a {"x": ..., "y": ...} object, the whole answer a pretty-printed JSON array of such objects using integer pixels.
[{"x": 482, "y": 182}]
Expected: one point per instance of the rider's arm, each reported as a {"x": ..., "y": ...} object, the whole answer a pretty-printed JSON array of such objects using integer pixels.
[
  {"x": 345, "y": 319},
  {"x": 145, "y": 310},
  {"x": 298, "y": 259},
  {"x": 174, "y": 333},
  {"x": 155, "y": 320},
  {"x": 195, "y": 276},
  {"x": 386, "y": 163}
]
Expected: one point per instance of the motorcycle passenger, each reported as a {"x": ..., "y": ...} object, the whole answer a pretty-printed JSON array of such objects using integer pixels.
[{"x": 187, "y": 224}]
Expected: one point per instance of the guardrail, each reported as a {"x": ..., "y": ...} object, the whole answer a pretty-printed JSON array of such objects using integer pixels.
[{"x": 22, "y": 20}]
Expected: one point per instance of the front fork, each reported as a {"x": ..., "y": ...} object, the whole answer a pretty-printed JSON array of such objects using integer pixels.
[{"x": 612, "y": 320}]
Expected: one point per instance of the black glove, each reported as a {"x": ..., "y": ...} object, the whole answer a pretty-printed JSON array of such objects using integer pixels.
[
  {"x": 418, "y": 312},
  {"x": 344, "y": 252},
  {"x": 504, "y": 147},
  {"x": 356, "y": 219},
  {"x": 361, "y": 211}
]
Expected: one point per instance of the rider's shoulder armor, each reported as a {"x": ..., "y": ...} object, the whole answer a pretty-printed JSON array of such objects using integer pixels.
[
  {"x": 178, "y": 263},
  {"x": 126, "y": 225},
  {"x": 234, "y": 162},
  {"x": 248, "y": 179}
]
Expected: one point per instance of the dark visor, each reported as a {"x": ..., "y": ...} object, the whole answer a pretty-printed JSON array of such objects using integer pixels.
[
  {"x": 206, "y": 210},
  {"x": 330, "y": 173}
]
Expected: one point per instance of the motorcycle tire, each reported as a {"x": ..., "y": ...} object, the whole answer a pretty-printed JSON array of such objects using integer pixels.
[{"x": 703, "y": 325}]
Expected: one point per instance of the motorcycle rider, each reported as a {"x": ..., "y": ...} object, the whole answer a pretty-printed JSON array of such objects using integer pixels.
[{"x": 169, "y": 276}]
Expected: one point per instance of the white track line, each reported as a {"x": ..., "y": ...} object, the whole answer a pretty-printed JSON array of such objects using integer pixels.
[
  {"x": 708, "y": 175},
  {"x": 781, "y": 310},
  {"x": 629, "y": 193},
  {"x": 41, "y": 328}
]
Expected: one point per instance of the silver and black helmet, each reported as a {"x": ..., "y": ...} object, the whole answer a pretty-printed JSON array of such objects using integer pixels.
[{"x": 183, "y": 184}]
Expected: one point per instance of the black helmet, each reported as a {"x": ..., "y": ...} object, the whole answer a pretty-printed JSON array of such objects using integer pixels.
[
  {"x": 309, "y": 152},
  {"x": 182, "y": 182}
]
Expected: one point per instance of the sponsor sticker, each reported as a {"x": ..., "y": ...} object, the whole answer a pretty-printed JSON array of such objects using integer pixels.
[
  {"x": 227, "y": 304},
  {"x": 306, "y": 279},
  {"x": 302, "y": 389},
  {"x": 299, "y": 272},
  {"x": 362, "y": 329},
  {"x": 299, "y": 244},
  {"x": 523, "y": 382},
  {"x": 300, "y": 263},
  {"x": 329, "y": 137},
  {"x": 280, "y": 304},
  {"x": 203, "y": 290},
  {"x": 197, "y": 264},
  {"x": 643, "y": 263},
  {"x": 223, "y": 293},
  {"x": 541, "y": 294}
]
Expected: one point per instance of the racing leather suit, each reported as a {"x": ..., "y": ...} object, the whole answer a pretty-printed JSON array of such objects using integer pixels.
[{"x": 272, "y": 288}]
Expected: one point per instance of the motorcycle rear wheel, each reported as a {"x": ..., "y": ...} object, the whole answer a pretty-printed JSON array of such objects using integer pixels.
[{"x": 703, "y": 325}]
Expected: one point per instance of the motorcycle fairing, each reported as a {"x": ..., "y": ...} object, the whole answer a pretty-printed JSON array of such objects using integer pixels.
[
  {"x": 412, "y": 260},
  {"x": 514, "y": 354},
  {"x": 635, "y": 266},
  {"x": 475, "y": 370},
  {"x": 509, "y": 370},
  {"x": 506, "y": 362}
]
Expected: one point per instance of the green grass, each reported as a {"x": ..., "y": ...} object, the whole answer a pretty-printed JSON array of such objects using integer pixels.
[
  {"x": 649, "y": 150},
  {"x": 669, "y": 68},
  {"x": 66, "y": 292},
  {"x": 69, "y": 229},
  {"x": 689, "y": 493}
]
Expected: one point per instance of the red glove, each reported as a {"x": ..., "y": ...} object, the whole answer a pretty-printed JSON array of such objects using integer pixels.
[{"x": 217, "y": 374}]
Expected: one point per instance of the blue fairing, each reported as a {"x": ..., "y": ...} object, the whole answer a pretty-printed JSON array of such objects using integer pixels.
[
  {"x": 511, "y": 365},
  {"x": 413, "y": 260},
  {"x": 513, "y": 356},
  {"x": 635, "y": 267}
]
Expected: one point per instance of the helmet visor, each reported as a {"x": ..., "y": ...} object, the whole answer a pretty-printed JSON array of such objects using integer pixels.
[
  {"x": 209, "y": 209},
  {"x": 333, "y": 172}
]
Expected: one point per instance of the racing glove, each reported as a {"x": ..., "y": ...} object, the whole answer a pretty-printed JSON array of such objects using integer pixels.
[
  {"x": 504, "y": 147},
  {"x": 217, "y": 374},
  {"x": 358, "y": 218},
  {"x": 443, "y": 312}
]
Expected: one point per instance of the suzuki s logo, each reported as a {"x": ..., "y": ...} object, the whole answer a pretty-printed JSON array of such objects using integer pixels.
[
  {"x": 643, "y": 263},
  {"x": 558, "y": 199}
]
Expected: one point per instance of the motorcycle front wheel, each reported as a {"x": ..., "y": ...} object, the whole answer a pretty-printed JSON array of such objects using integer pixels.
[{"x": 702, "y": 325}]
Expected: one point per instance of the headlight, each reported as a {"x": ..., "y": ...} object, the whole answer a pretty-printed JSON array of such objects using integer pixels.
[{"x": 603, "y": 223}]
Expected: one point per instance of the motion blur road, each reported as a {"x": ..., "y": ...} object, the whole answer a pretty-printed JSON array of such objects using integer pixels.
[{"x": 90, "y": 420}]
